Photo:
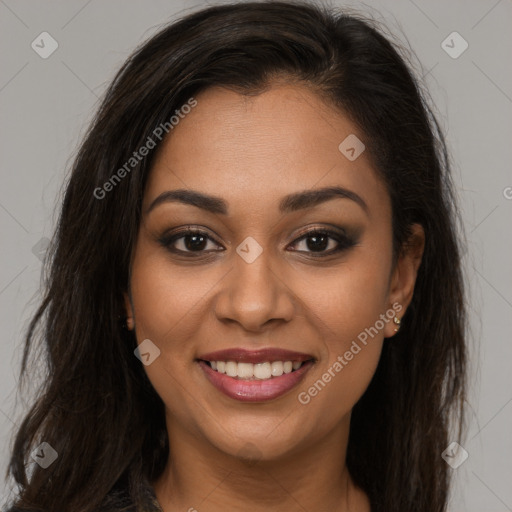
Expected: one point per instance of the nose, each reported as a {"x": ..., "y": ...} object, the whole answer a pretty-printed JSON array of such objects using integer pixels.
[{"x": 254, "y": 295}]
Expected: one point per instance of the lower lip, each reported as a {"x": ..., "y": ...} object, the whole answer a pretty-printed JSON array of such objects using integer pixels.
[{"x": 255, "y": 390}]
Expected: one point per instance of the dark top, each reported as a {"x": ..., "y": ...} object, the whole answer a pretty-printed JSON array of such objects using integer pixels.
[{"x": 118, "y": 500}]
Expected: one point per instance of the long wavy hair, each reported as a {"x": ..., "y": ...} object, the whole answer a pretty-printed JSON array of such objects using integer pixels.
[{"x": 97, "y": 408}]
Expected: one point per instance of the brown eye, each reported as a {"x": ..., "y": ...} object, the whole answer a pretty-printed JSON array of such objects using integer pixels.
[
  {"x": 190, "y": 240},
  {"x": 317, "y": 241}
]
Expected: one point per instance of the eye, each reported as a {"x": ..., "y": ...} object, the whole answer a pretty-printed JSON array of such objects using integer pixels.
[
  {"x": 318, "y": 240},
  {"x": 189, "y": 240}
]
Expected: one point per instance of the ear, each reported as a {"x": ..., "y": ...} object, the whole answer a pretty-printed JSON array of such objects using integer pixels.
[
  {"x": 130, "y": 322},
  {"x": 404, "y": 275}
]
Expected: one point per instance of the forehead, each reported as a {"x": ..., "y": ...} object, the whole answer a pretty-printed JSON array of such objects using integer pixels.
[{"x": 260, "y": 148}]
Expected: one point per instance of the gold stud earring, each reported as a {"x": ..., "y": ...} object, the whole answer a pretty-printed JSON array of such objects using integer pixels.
[{"x": 396, "y": 320}]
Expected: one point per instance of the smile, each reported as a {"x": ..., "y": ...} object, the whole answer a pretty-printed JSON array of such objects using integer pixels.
[{"x": 255, "y": 376}]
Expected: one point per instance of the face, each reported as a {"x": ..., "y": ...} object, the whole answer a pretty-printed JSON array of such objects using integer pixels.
[{"x": 269, "y": 271}]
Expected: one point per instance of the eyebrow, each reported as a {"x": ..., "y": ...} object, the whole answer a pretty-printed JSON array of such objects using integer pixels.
[{"x": 290, "y": 203}]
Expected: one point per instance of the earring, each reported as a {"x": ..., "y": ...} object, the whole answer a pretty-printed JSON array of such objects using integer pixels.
[
  {"x": 129, "y": 323},
  {"x": 126, "y": 322},
  {"x": 396, "y": 320}
]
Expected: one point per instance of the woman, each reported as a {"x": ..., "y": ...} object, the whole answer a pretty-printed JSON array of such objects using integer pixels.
[{"x": 255, "y": 295}]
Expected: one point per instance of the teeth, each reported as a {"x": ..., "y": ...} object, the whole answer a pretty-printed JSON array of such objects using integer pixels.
[
  {"x": 245, "y": 370},
  {"x": 262, "y": 371},
  {"x": 276, "y": 368},
  {"x": 259, "y": 371},
  {"x": 231, "y": 369}
]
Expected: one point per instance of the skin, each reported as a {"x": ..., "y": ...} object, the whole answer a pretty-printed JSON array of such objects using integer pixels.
[{"x": 252, "y": 151}]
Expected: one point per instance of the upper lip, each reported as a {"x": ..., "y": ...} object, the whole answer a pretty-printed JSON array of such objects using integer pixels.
[{"x": 255, "y": 356}]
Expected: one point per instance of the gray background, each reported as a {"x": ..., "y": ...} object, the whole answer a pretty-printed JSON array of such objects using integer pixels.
[{"x": 46, "y": 105}]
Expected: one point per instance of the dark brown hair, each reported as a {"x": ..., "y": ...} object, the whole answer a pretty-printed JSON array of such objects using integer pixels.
[{"x": 97, "y": 408}]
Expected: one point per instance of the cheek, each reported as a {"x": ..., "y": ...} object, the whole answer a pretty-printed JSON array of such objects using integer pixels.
[
  {"x": 349, "y": 325},
  {"x": 350, "y": 298},
  {"x": 348, "y": 309},
  {"x": 166, "y": 302},
  {"x": 166, "y": 299}
]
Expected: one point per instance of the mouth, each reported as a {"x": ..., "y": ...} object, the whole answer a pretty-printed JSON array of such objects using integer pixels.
[{"x": 255, "y": 376}]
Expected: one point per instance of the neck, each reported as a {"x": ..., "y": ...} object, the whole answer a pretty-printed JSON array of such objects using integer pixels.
[{"x": 200, "y": 477}]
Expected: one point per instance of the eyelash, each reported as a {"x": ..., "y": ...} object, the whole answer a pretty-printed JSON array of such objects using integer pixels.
[{"x": 344, "y": 242}]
